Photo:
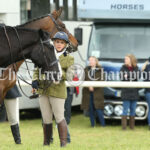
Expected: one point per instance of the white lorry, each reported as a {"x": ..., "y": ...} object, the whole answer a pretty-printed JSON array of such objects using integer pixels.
[{"x": 118, "y": 27}]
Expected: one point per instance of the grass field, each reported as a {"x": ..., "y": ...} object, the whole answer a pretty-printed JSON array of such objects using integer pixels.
[{"x": 83, "y": 136}]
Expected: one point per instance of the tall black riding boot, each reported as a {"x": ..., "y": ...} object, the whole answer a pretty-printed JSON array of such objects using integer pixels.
[
  {"x": 48, "y": 134},
  {"x": 16, "y": 133},
  {"x": 62, "y": 130}
]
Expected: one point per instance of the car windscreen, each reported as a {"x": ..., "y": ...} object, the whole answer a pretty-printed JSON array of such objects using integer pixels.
[{"x": 115, "y": 41}]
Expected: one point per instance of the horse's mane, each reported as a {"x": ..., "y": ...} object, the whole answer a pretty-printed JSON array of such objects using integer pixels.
[
  {"x": 19, "y": 28},
  {"x": 32, "y": 20}
]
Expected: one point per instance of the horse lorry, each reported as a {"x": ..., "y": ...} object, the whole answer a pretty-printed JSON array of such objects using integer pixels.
[{"x": 111, "y": 29}]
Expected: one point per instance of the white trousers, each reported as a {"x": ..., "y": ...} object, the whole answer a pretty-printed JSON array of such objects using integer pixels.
[
  {"x": 49, "y": 106},
  {"x": 12, "y": 109}
]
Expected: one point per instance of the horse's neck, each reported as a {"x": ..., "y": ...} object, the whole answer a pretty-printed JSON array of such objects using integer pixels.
[
  {"x": 16, "y": 65},
  {"x": 42, "y": 23},
  {"x": 28, "y": 39}
]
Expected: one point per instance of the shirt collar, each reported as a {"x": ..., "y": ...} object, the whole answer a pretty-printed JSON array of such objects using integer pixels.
[{"x": 60, "y": 53}]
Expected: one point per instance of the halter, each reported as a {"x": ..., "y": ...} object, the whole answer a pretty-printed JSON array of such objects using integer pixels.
[
  {"x": 56, "y": 24},
  {"x": 44, "y": 53}
]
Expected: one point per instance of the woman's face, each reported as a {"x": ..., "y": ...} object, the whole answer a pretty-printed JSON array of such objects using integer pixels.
[
  {"x": 92, "y": 62},
  {"x": 59, "y": 44},
  {"x": 127, "y": 61}
]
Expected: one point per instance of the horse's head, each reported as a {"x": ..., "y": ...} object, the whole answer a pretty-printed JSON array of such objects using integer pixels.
[
  {"x": 44, "y": 55},
  {"x": 58, "y": 25}
]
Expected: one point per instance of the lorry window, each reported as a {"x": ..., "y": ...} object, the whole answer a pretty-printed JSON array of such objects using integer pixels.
[{"x": 117, "y": 41}]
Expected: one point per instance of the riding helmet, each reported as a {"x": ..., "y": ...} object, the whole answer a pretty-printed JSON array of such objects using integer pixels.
[{"x": 61, "y": 35}]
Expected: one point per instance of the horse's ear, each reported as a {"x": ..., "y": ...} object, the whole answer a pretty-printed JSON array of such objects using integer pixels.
[
  {"x": 59, "y": 11},
  {"x": 56, "y": 14}
]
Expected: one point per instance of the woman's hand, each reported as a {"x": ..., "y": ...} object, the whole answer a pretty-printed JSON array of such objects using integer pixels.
[
  {"x": 91, "y": 89},
  {"x": 33, "y": 91},
  {"x": 144, "y": 66}
]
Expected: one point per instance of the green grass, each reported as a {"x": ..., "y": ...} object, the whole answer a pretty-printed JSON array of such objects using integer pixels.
[{"x": 82, "y": 135}]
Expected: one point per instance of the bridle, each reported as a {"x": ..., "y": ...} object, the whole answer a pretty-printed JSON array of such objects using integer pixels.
[
  {"x": 45, "y": 56},
  {"x": 59, "y": 28}
]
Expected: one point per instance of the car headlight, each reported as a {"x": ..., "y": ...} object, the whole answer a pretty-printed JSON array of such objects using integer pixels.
[
  {"x": 118, "y": 110},
  {"x": 140, "y": 111},
  {"x": 108, "y": 110}
]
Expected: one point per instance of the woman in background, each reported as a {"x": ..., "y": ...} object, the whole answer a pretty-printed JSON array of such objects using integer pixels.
[
  {"x": 129, "y": 72},
  {"x": 93, "y": 98}
]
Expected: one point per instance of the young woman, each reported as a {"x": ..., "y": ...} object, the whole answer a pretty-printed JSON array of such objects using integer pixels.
[
  {"x": 93, "y": 98},
  {"x": 52, "y": 98},
  {"x": 129, "y": 72}
]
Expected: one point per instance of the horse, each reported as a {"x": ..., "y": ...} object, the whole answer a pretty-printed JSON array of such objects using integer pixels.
[
  {"x": 52, "y": 24},
  {"x": 8, "y": 79},
  {"x": 34, "y": 45}
]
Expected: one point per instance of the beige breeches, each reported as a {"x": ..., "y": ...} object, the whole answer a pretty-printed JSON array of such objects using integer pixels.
[
  {"x": 12, "y": 109},
  {"x": 49, "y": 106}
]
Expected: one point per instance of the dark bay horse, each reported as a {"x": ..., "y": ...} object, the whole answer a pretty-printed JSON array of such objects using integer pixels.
[{"x": 35, "y": 46}]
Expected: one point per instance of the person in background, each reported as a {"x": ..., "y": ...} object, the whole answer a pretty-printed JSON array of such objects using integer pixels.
[
  {"x": 12, "y": 108},
  {"x": 129, "y": 72},
  {"x": 146, "y": 77},
  {"x": 52, "y": 99},
  {"x": 93, "y": 98},
  {"x": 68, "y": 105},
  {"x": 67, "y": 113}
]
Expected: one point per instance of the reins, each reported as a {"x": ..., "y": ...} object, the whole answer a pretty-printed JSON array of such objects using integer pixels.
[
  {"x": 8, "y": 40},
  {"x": 11, "y": 57}
]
